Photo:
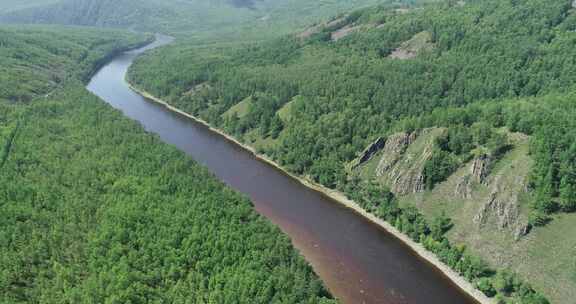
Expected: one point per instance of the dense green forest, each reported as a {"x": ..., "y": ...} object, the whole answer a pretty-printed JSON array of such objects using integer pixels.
[
  {"x": 95, "y": 210},
  {"x": 32, "y": 65},
  {"x": 200, "y": 20},
  {"x": 314, "y": 100}
]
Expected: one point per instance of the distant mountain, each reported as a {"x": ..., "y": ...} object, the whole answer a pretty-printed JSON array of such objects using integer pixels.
[
  {"x": 13, "y": 5},
  {"x": 101, "y": 13},
  {"x": 212, "y": 19},
  {"x": 242, "y": 3}
]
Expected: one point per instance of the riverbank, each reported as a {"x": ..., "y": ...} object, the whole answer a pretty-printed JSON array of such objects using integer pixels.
[
  {"x": 339, "y": 197},
  {"x": 148, "y": 40}
]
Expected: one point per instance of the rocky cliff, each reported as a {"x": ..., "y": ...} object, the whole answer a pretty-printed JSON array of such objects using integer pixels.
[
  {"x": 399, "y": 162},
  {"x": 396, "y": 146},
  {"x": 486, "y": 192},
  {"x": 502, "y": 207},
  {"x": 403, "y": 169},
  {"x": 477, "y": 173},
  {"x": 370, "y": 151}
]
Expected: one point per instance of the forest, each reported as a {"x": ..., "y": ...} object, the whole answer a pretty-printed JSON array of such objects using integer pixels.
[
  {"x": 95, "y": 210},
  {"x": 32, "y": 65},
  {"x": 349, "y": 92},
  {"x": 313, "y": 101},
  {"x": 203, "y": 21}
]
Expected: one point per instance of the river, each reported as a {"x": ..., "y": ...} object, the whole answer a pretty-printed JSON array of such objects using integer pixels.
[{"x": 358, "y": 261}]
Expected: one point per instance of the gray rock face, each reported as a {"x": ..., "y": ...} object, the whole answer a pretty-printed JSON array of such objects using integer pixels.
[
  {"x": 464, "y": 188},
  {"x": 479, "y": 171},
  {"x": 393, "y": 150},
  {"x": 502, "y": 208},
  {"x": 367, "y": 154},
  {"x": 481, "y": 168},
  {"x": 402, "y": 170},
  {"x": 413, "y": 182}
]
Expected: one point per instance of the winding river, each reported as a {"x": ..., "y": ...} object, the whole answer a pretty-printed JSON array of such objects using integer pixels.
[{"x": 357, "y": 260}]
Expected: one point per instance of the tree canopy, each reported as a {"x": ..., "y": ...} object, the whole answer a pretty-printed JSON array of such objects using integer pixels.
[{"x": 95, "y": 210}]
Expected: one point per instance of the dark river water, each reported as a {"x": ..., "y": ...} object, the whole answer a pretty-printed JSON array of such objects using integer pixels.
[{"x": 358, "y": 261}]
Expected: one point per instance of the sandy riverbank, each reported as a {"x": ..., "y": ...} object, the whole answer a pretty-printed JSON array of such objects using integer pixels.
[{"x": 339, "y": 197}]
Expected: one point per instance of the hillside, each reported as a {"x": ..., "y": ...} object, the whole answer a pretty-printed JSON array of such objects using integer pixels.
[
  {"x": 14, "y": 5},
  {"x": 200, "y": 20},
  {"x": 95, "y": 210},
  {"x": 32, "y": 66},
  {"x": 489, "y": 200},
  {"x": 474, "y": 97},
  {"x": 196, "y": 18},
  {"x": 120, "y": 14}
]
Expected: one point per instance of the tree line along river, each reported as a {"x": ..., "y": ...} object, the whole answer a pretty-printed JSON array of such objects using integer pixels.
[{"x": 358, "y": 261}]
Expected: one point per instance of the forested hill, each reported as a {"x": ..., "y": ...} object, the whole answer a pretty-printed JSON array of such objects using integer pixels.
[
  {"x": 202, "y": 20},
  {"x": 462, "y": 109},
  {"x": 14, "y": 5},
  {"x": 35, "y": 61},
  {"x": 95, "y": 210},
  {"x": 145, "y": 15}
]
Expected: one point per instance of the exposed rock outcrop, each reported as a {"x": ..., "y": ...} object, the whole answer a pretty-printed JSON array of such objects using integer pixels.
[
  {"x": 502, "y": 207},
  {"x": 309, "y": 32},
  {"x": 478, "y": 173},
  {"x": 198, "y": 88},
  {"x": 480, "y": 168},
  {"x": 403, "y": 158},
  {"x": 488, "y": 192},
  {"x": 396, "y": 146},
  {"x": 486, "y": 196},
  {"x": 336, "y": 23},
  {"x": 403, "y": 54},
  {"x": 343, "y": 32},
  {"x": 409, "y": 179},
  {"x": 411, "y": 48},
  {"x": 392, "y": 149},
  {"x": 413, "y": 182},
  {"x": 369, "y": 152},
  {"x": 464, "y": 187}
]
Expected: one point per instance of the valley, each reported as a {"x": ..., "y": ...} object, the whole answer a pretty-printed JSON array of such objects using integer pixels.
[
  {"x": 384, "y": 272},
  {"x": 313, "y": 105},
  {"x": 334, "y": 151},
  {"x": 93, "y": 209}
]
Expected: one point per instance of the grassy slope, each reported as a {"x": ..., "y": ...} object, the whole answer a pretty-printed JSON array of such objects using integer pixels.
[
  {"x": 547, "y": 252},
  {"x": 240, "y": 109},
  {"x": 285, "y": 112},
  {"x": 420, "y": 43},
  {"x": 551, "y": 252}
]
